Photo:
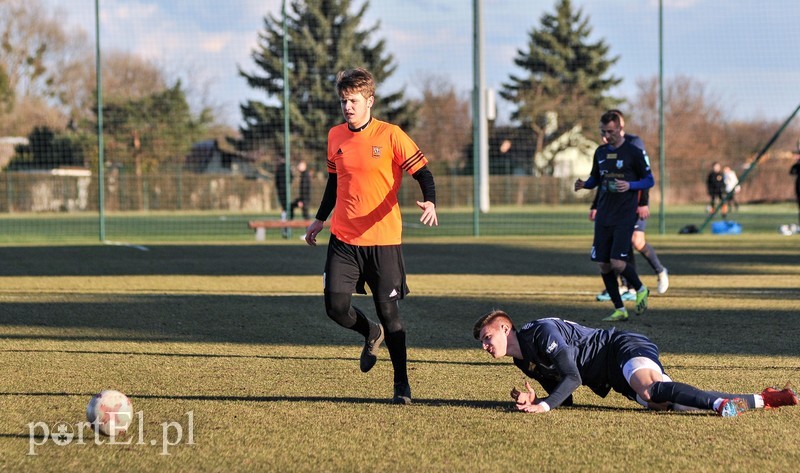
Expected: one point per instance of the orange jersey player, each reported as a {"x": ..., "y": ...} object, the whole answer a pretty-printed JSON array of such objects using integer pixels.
[
  {"x": 366, "y": 162},
  {"x": 369, "y": 165}
]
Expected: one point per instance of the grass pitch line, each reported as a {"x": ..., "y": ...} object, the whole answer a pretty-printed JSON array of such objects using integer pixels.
[{"x": 127, "y": 245}]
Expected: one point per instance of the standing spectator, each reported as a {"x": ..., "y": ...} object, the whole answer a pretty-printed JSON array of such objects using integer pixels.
[
  {"x": 367, "y": 158},
  {"x": 731, "y": 186},
  {"x": 795, "y": 171},
  {"x": 715, "y": 183},
  {"x": 301, "y": 201},
  {"x": 620, "y": 170}
]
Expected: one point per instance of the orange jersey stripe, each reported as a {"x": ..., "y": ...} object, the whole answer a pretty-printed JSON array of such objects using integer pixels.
[{"x": 369, "y": 167}]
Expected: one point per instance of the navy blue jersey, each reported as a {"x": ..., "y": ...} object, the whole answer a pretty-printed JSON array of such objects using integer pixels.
[
  {"x": 644, "y": 194},
  {"x": 562, "y": 355},
  {"x": 629, "y": 163}
]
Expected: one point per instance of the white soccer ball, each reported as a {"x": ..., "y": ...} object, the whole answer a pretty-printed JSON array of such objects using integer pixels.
[{"x": 110, "y": 412}]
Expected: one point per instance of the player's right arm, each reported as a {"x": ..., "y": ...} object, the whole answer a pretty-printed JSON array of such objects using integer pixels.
[{"x": 325, "y": 209}]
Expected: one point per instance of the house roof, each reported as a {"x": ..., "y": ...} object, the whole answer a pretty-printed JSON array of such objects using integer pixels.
[{"x": 203, "y": 152}]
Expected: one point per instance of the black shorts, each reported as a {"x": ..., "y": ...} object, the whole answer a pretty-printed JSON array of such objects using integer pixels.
[
  {"x": 641, "y": 225},
  {"x": 349, "y": 267},
  {"x": 613, "y": 241}
]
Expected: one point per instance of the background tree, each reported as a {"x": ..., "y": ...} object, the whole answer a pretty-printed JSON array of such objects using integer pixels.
[
  {"x": 148, "y": 134},
  {"x": 47, "y": 149},
  {"x": 564, "y": 74},
  {"x": 6, "y": 92},
  {"x": 324, "y": 38},
  {"x": 697, "y": 133},
  {"x": 34, "y": 50},
  {"x": 443, "y": 129}
]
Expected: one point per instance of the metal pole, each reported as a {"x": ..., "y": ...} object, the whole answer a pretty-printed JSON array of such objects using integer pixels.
[
  {"x": 477, "y": 7},
  {"x": 100, "y": 152},
  {"x": 287, "y": 175},
  {"x": 662, "y": 165},
  {"x": 483, "y": 122}
]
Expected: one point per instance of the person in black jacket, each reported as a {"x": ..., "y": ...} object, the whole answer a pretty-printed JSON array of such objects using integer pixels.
[
  {"x": 301, "y": 201},
  {"x": 715, "y": 184}
]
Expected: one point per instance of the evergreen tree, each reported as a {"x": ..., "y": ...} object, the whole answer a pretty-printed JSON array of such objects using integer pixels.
[
  {"x": 324, "y": 37},
  {"x": 566, "y": 81},
  {"x": 150, "y": 133},
  {"x": 47, "y": 149}
]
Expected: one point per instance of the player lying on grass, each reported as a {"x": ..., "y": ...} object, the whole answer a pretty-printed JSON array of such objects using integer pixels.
[{"x": 563, "y": 355}]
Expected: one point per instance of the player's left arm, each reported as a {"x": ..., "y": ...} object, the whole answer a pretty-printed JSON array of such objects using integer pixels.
[
  {"x": 641, "y": 168},
  {"x": 409, "y": 157},
  {"x": 428, "y": 205}
]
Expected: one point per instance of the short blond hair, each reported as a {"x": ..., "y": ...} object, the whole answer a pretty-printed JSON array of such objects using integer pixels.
[
  {"x": 488, "y": 319},
  {"x": 358, "y": 80}
]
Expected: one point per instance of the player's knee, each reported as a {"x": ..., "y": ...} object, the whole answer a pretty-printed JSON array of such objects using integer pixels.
[
  {"x": 389, "y": 313},
  {"x": 659, "y": 392},
  {"x": 605, "y": 268},
  {"x": 638, "y": 241},
  {"x": 617, "y": 265},
  {"x": 337, "y": 306}
]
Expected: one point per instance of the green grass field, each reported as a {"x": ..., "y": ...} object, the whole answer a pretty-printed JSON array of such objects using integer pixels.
[
  {"x": 231, "y": 343},
  {"x": 200, "y": 227}
]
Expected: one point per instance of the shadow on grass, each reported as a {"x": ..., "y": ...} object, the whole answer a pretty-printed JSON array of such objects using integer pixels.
[
  {"x": 291, "y": 322},
  {"x": 236, "y": 356},
  {"x": 480, "y": 257},
  {"x": 436, "y": 322}
]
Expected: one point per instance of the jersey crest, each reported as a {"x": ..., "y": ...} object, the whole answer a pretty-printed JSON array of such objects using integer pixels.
[{"x": 376, "y": 152}]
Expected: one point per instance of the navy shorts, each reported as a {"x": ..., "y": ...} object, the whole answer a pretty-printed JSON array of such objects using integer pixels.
[
  {"x": 613, "y": 241},
  {"x": 350, "y": 267},
  {"x": 623, "y": 347}
]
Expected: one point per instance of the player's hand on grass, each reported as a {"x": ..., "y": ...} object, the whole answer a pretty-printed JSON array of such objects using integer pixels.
[
  {"x": 428, "y": 213},
  {"x": 312, "y": 231},
  {"x": 525, "y": 399}
]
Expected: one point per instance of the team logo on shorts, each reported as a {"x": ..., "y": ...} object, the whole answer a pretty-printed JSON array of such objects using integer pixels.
[{"x": 376, "y": 152}]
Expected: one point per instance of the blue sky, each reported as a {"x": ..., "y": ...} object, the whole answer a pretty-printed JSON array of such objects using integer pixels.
[{"x": 746, "y": 52}]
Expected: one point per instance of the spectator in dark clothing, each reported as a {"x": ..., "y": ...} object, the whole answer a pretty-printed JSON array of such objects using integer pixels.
[
  {"x": 715, "y": 183},
  {"x": 301, "y": 201},
  {"x": 795, "y": 171}
]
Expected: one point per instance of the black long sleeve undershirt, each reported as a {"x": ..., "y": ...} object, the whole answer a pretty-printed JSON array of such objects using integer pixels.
[
  {"x": 328, "y": 198},
  {"x": 426, "y": 184}
]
